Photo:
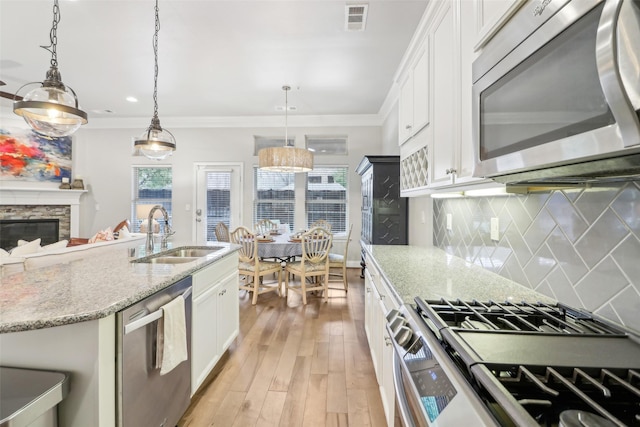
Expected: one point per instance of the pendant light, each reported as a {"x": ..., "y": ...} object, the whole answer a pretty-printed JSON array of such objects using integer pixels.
[
  {"x": 51, "y": 109},
  {"x": 287, "y": 158},
  {"x": 155, "y": 143}
]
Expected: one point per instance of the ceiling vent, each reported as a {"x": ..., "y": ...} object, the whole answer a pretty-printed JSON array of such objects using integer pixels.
[{"x": 355, "y": 18}]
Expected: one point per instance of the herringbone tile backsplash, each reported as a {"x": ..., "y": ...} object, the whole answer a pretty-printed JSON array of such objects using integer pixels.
[{"x": 580, "y": 246}]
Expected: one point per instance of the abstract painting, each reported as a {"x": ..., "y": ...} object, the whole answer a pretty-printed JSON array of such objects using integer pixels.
[{"x": 28, "y": 156}]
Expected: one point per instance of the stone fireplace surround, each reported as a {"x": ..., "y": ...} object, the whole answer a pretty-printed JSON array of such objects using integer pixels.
[{"x": 32, "y": 203}]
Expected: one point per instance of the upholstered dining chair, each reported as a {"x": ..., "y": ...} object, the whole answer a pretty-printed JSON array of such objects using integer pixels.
[
  {"x": 314, "y": 264},
  {"x": 323, "y": 223},
  {"x": 252, "y": 267},
  {"x": 222, "y": 232},
  {"x": 339, "y": 261},
  {"x": 265, "y": 226}
]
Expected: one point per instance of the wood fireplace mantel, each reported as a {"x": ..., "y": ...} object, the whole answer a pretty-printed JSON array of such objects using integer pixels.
[{"x": 45, "y": 196}]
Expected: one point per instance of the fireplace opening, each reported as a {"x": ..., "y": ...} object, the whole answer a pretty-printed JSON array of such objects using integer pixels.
[{"x": 12, "y": 230}]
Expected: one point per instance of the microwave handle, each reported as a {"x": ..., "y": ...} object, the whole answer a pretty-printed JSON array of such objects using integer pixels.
[{"x": 609, "y": 71}]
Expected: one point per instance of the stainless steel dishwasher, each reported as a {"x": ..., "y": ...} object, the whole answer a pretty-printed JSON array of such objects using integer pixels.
[{"x": 144, "y": 397}]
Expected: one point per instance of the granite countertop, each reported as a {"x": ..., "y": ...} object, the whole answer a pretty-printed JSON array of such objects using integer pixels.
[
  {"x": 91, "y": 288},
  {"x": 431, "y": 273}
]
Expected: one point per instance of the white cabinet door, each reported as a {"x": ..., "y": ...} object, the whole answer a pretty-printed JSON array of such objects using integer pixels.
[
  {"x": 386, "y": 386},
  {"x": 228, "y": 320},
  {"x": 421, "y": 90},
  {"x": 468, "y": 37},
  {"x": 204, "y": 343},
  {"x": 414, "y": 98},
  {"x": 368, "y": 297},
  {"x": 405, "y": 113},
  {"x": 444, "y": 90},
  {"x": 491, "y": 15}
]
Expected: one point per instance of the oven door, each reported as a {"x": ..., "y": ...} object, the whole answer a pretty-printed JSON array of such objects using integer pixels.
[
  {"x": 430, "y": 391},
  {"x": 407, "y": 406},
  {"x": 568, "y": 93}
]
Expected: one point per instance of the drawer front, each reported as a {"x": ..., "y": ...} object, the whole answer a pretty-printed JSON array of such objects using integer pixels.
[{"x": 213, "y": 273}]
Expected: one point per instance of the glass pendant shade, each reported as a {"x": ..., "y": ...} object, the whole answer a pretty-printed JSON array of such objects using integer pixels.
[
  {"x": 51, "y": 109},
  {"x": 155, "y": 143},
  {"x": 285, "y": 159}
]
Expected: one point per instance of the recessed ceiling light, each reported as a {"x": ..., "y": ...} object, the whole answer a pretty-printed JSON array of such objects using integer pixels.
[{"x": 132, "y": 99}]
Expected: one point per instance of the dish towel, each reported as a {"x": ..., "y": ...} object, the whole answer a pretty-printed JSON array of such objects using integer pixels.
[{"x": 172, "y": 336}]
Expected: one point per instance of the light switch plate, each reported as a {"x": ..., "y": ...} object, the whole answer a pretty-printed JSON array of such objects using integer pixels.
[
  {"x": 495, "y": 229},
  {"x": 449, "y": 222}
]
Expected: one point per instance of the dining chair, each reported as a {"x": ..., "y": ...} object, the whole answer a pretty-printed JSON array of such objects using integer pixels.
[
  {"x": 323, "y": 223},
  {"x": 314, "y": 264},
  {"x": 222, "y": 232},
  {"x": 265, "y": 226},
  {"x": 340, "y": 261},
  {"x": 252, "y": 267}
]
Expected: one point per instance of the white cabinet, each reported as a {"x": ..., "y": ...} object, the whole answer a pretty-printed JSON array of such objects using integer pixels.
[
  {"x": 491, "y": 15},
  {"x": 378, "y": 302},
  {"x": 442, "y": 154},
  {"x": 444, "y": 48},
  {"x": 215, "y": 316},
  {"x": 414, "y": 98}
]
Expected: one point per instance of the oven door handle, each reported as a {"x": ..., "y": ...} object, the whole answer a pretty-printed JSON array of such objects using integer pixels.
[
  {"x": 610, "y": 72},
  {"x": 401, "y": 398}
]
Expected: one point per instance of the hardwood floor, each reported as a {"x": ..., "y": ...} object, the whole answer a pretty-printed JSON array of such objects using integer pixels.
[{"x": 294, "y": 365}]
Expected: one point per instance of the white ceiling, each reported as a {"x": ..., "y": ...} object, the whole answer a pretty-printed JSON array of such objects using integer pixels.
[{"x": 217, "y": 58}]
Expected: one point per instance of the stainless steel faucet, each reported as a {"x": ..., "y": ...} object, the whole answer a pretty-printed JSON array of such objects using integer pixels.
[{"x": 167, "y": 228}]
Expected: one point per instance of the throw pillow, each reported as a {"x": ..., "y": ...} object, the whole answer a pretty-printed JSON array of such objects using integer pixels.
[
  {"x": 124, "y": 233},
  {"x": 53, "y": 246},
  {"x": 27, "y": 248}
]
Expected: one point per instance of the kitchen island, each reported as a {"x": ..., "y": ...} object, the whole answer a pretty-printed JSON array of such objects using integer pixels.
[{"x": 63, "y": 318}]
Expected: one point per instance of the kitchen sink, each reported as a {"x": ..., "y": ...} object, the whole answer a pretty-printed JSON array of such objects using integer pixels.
[
  {"x": 179, "y": 255},
  {"x": 191, "y": 252},
  {"x": 167, "y": 260}
]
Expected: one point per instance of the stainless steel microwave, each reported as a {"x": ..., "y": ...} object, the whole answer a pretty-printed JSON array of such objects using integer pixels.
[{"x": 556, "y": 93}]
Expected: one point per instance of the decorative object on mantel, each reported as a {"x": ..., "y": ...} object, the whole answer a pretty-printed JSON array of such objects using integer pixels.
[
  {"x": 155, "y": 143},
  {"x": 65, "y": 184},
  {"x": 28, "y": 156},
  {"x": 52, "y": 109},
  {"x": 287, "y": 158},
  {"x": 77, "y": 184}
]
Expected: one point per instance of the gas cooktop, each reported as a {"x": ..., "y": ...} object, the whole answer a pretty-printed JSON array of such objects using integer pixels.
[{"x": 535, "y": 364}]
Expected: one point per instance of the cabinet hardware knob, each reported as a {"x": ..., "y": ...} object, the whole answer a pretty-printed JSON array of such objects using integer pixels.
[{"x": 407, "y": 127}]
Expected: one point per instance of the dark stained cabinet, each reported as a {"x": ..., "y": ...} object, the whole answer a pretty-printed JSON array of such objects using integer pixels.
[{"x": 384, "y": 212}]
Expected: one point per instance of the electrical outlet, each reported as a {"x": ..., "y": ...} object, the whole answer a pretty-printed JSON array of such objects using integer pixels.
[
  {"x": 449, "y": 222},
  {"x": 495, "y": 229}
]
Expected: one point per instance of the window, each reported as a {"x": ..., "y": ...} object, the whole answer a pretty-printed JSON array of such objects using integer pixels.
[
  {"x": 260, "y": 142},
  {"x": 274, "y": 196},
  {"x": 152, "y": 185},
  {"x": 218, "y": 202},
  {"x": 326, "y": 197},
  {"x": 327, "y": 145}
]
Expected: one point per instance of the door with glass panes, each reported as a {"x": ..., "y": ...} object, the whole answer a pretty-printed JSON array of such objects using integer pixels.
[{"x": 218, "y": 199}]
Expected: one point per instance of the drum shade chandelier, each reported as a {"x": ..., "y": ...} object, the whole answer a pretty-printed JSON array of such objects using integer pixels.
[
  {"x": 287, "y": 158},
  {"x": 51, "y": 109},
  {"x": 155, "y": 143}
]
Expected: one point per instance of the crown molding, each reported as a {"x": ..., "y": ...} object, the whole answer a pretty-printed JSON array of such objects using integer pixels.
[{"x": 350, "y": 120}]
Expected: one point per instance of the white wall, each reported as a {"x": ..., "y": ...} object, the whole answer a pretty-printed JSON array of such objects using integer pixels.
[{"x": 102, "y": 157}]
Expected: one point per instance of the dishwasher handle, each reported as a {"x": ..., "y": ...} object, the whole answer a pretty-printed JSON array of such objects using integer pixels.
[{"x": 152, "y": 317}]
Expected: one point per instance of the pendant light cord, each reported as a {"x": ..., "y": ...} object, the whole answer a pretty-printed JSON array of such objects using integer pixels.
[
  {"x": 155, "y": 54},
  {"x": 286, "y": 114},
  {"x": 53, "y": 35}
]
